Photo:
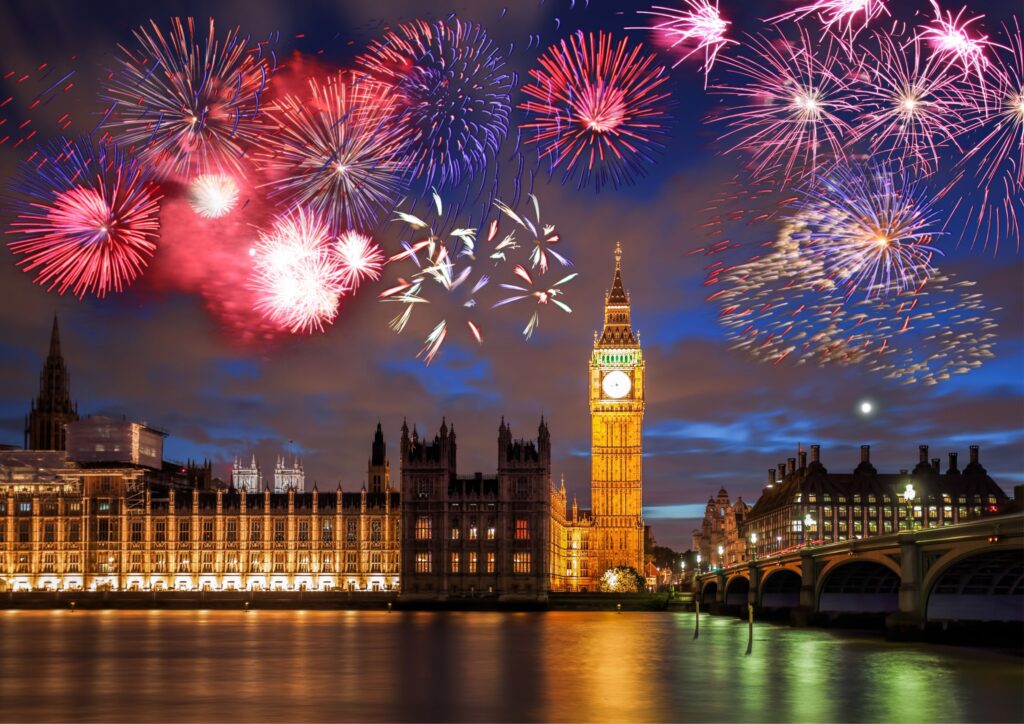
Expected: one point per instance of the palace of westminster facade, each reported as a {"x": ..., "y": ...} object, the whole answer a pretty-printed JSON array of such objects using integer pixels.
[{"x": 91, "y": 504}]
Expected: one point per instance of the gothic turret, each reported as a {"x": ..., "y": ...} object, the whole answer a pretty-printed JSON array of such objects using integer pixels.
[
  {"x": 52, "y": 409},
  {"x": 378, "y": 470}
]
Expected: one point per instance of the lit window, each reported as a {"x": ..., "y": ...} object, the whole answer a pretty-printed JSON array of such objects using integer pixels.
[
  {"x": 423, "y": 562},
  {"x": 207, "y": 530},
  {"x": 26, "y": 507},
  {"x": 375, "y": 530},
  {"x": 423, "y": 528},
  {"x": 522, "y": 529},
  {"x": 303, "y": 530},
  {"x": 490, "y": 561},
  {"x": 183, "y": 531},
  {"x": 472, "y": 562},
  {"x": 279, "y": 524},
  {"x": 521, "y": 562},
  {"x": 455, "y": 562}
]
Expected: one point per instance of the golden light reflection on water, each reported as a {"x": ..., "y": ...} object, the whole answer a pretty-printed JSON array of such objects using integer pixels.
[{"x": 373, "y": 666}]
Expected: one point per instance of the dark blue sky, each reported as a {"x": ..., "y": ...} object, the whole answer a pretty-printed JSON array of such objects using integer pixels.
[{"x": 714, "y": 417}]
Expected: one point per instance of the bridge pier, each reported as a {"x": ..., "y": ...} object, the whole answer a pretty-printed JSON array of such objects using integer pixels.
[
  {"x": 720, "y": 591},
  {"x": 804, "y": 615},
  {"x": 908, "y": 622}
]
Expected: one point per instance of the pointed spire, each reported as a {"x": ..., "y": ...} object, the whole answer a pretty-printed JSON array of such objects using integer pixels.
[
  {"x": 55, "y": 339},
  {"x": 617, "y": 331}
]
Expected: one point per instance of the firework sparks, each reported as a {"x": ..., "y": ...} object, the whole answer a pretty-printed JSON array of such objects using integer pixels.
[
  {"x": 339, "y": 152},
  {"x": 213, "y": 195},
  {"x": 999, "y": 152},
  {"x": 88, "y": 219},
  {"x": 540, "y": 294},
  {"x": 597, "y": 108},
  {"x": 444, "y": 277},
  {"x": 910, "y": 107},
  {"x": 952, "y": 38},
  {"x": 544, "y": 236},
  {"x": 778, "y": 307},
  {"x": 452, "y": 89},
  {"x": 188, "y": 105},
  {"x": 870, "y": 225},
  {"x": 296, "y": 277},
  {"x": 361, "y": 259},
  {"x": 789, "y": 104},
  {"x": 699, "y": 27},
  {"x": 839, "y": 14}
]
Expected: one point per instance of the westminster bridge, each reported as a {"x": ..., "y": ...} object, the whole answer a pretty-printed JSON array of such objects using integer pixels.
[{"x": 970, "y": 572}]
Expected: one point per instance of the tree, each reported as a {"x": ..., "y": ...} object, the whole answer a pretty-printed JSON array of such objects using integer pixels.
[{"x": 622, "y": 579}]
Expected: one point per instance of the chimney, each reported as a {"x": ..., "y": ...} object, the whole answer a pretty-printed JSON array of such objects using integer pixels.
[
  {"x": 791, "y": 467},
  {"x": 815, "y": 453},
  {"x": 865, "y": 453},
  {"x": 922, "y": 452},
  {"x": 771, "y": 477},
  {"x": 952, "y": 463},
  {"x": 803, "y": 459},
  {"x": 974, "y": 454},
  {"x": 937, "y": 464},
  {"x": 782, "y": 471}
]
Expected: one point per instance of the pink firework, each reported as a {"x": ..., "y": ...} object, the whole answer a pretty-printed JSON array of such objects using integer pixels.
[
  {"x": 297, "y": 278},
  {"x": 697, "y": 28},
  {"x": 789, "y": 97},
  {"x": 998, "y": 155},
  {"x": 88, "y": 219},
  {"x": 910, "y": 105},
  {"x": 597, "y": 108},
  {"x": 840, "y": 15},
  {"x": 360, "y": 258},
  {"x": 953, "y": 39}
]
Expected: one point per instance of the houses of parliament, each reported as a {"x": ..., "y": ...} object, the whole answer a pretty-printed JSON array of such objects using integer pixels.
[{"x": 91, "y": 504}]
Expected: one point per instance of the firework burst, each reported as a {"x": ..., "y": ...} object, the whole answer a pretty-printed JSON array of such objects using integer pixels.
[
  {"x": 544, "y": 236},
  {"x": 361, "y": 259},
  {"x": 841, "y": 15},
  {"x": 296, "y": 276},
  {"x": 444, "y": 277},
  {"x": 790, "y": 100},
  {"x": 542, "y": 296},
  {"x": 953, "y": 40},
  {"x": 186, "y": 104},
  {"x": 340, "y": 152},
  {"x": 870, "y": 225},
  {"x": 697, "y": 28},
  {"x": 910, "y": 106},
  {"x": 778, "y": 307},
  {"x": 597, "y": 108},
  {"x": 213, "y": 195},
  {"x": 452, "y": 89},
  {"x": 88, "y": 217}
]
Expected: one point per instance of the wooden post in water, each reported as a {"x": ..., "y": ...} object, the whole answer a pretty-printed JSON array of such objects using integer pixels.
[
  {"x": 750, "y": 628},
  {"x": 696, "y": 626}
]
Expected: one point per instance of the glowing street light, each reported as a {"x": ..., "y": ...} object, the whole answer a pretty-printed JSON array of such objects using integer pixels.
[
  {"x": 753, "y": 544},
  {"x": 909, "y": 494}
]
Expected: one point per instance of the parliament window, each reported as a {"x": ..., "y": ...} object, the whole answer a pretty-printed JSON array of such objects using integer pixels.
[
  {"x": 490, "y": 561},
  {"x": 279, "y": 524},
  {"x": 75, "y": 532},
  {"x": 375, "y": 562},
  {"x": 456, "y": 560},
  {"x": 456, "y": 529},
  {"x": 350, "y": 530},
  {"x": 183, "y": 531},
  {"x": 423, "y": 562},
  {"x": 423, "y": 527},
  {"x": 375, "y": 530},
  {"x": 232, "y": 531},
  {"x": 303, "y": 530},
  {"x": 49, "y": 531},
  {"x": 255, "y": 531},
  {"x": 207, "y": 530},
  {"x": 472, "y": 562},
  {"x": 474, "y": 532},
  {"x": 491, "y": 531},
  {"x": 521, "y": 562},
  {"x": 136, "y": 531},
  {"x": 522, "y": 529},
  {"x": 327, "y": 533}
]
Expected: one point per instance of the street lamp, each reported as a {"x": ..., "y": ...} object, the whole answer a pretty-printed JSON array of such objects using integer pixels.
[
  {"x": 753, "y": 545},
  {"x": 808, "y": 522},
  {"x": 778, "y": 543},
  {"x": 698, "y": 563},
  {"x": 721, "y": 550},
  {"x": 909, "y": 494}
]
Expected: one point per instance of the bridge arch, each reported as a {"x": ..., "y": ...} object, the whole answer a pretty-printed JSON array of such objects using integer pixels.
[
  {"x": 709, "y": 592},
  {"x": 982, "y": 584},
  {"x": 737, "y": 590},
  {"x": 859, "y": 585},
  {"x": 780, "y": 588}
]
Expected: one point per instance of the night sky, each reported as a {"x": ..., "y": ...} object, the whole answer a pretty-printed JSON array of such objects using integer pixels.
[{"x": 714, "y": 417}]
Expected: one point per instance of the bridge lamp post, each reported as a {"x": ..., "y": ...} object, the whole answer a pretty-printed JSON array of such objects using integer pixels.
[
  {"x": 721, "y": 551},
  {"x": 778, "y": 543},
  {"x": 753, "y": 545},
  {"x": 909, "y": 494},
  {"x": 698, "y": 563},
  {"x": 808, "y": 523}
]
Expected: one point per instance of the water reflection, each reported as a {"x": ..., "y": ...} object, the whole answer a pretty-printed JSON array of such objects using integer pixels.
[{"x": 369, "y": 666}]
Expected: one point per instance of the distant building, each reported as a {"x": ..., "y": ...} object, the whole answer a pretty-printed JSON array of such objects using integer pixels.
[
  {"x": 99, "y": 439},
  {"x": 289, "y": 477},
  {"x": 247, "y": 477},
  {"x": 803, "y": 502},
  {"x": 52, "y": 408},
  {"x": 719, "y": 539},
  {"x": 475, "y": 535}
]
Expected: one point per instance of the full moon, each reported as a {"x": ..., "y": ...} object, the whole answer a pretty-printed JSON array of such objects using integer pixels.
[{"x": 866, "y": 408}]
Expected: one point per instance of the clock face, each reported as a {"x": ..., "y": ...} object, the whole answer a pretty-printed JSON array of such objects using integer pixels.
[{"x": 616, "y": 384}]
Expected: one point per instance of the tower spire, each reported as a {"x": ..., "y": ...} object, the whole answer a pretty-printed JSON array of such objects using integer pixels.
[
  {"x": 617, "y": 331},
  {"x": 52, "y": 409}
]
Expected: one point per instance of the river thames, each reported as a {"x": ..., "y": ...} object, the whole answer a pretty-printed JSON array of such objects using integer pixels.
[{"x": 370, "y": 666}]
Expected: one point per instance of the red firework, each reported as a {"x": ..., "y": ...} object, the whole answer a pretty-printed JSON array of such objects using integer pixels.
[
  {"x": 88, "y": 218},
  {"x": 598, "y": 108}
]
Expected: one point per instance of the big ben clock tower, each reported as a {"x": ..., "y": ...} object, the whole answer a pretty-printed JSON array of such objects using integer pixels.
[{"x": 617, "y": 413}]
